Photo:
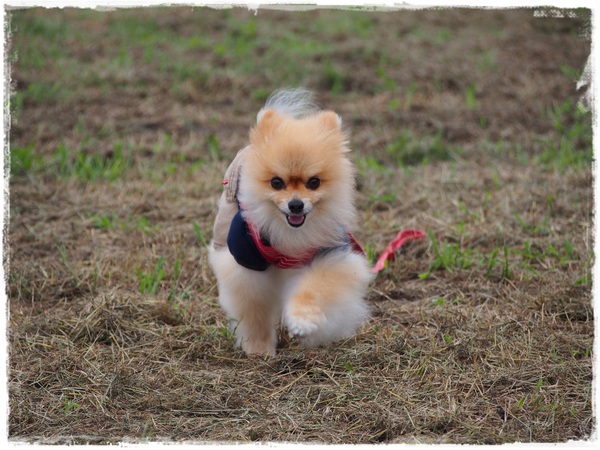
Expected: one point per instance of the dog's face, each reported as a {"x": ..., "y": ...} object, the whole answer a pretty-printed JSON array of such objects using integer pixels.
[
  {"x": 295, "y": 196},
  {"x": 298, "y": 177}
]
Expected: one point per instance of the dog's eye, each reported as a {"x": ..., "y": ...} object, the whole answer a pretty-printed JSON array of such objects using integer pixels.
[
  {"x": 313, "y": 183},
  {"x": 277, "y": 183}
]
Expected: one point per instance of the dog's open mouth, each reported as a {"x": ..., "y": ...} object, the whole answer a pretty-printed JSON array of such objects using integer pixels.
[{"x": 296, "y": 220}]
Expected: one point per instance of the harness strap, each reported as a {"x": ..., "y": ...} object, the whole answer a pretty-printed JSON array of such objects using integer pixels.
[{"x": 254, "y": 252}]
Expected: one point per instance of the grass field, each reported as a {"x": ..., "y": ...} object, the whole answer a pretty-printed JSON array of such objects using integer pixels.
[{"x": 464, "y": 123}]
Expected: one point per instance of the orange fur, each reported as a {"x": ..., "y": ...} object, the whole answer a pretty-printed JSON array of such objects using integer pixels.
[
  {"x": 318, "y": 289},
  {"x": 323, "y": 301}
]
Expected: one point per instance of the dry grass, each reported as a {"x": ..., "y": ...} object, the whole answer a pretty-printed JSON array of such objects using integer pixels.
[{"x": 482, "y": 333}]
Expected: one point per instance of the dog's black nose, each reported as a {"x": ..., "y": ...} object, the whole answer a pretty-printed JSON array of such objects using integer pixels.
[{"x": 296, "y": 206}]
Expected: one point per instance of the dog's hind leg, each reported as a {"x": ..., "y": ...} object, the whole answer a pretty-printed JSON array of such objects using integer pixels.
[{"x": 252, "y": 301}]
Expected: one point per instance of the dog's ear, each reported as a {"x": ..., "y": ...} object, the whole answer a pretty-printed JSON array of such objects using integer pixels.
[
  {"x": 266, "y": 121},
  {"x": 330, "y": 120},
  {"x": 265, "y": 116}
]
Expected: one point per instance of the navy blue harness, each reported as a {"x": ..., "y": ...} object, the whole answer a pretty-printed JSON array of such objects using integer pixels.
[{"x": 243, "y": 246}]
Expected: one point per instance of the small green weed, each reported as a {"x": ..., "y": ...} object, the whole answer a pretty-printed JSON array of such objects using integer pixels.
[
  {"x": 491, "y": 262},
  {"x": 176, "y": 274},
  {"x": 448, "y": 339},
  {"x": 585, "y": 280},
  {"x": 334, "y": 78},
  {"x": 70, "y": 406},
  {"x": 143, "y": 225},
  {"x": 441, "y": 301},
  {"x": 355, "y": 23},
  {"x": 394, "y": 104},
  {"x": 24, "y": 160},
  {"x": 471, "y": 96},
  {"x": 407, "y": 101},
  {"x": 146, "y": 432},
  {"x": 199, "y": 234},
  {"x": 104, "y": 221},
  {"x": 506, "y": 270},
  {"x": 565, "y": 256},
  {"x": 91, "y": 166},
  {"x": 65, "y": 259},
  {"x": 240, "y": 40},
  {"x": 388, "y": 84},
  {"x": 150, "y": 282},
  {"x": 409, "y": 95},
  {"x": 39, "y": 93},
  {"x": 261, "y": 94},
  {"x": 533, "y": 229},
  {"x": 570, "y": 72},
  {"x": 228, "y": 332},
  {"x": 487, "y": 61},
  {"x": 531, "y": 253},
  {"x": 212, "y": 144},
  {"x": 384, "y": 198},
  {"x": 573, "y": 145},
  {"x": 451, "y": 257},
  {"x": 107, "y": 221},
  {"x": 443, "y": 36},
  {"x": 371, "y": 253},
  {"x": 409, "y": 151},
  {"x": 368, "y": 163},
  {"x": 448, "y": 256}
]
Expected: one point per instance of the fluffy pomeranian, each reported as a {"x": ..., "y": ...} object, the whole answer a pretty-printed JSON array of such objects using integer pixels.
[{"x": 282, "y": 251}]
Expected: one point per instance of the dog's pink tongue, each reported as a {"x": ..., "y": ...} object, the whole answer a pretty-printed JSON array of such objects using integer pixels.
[{"x": 296, "y": 219}]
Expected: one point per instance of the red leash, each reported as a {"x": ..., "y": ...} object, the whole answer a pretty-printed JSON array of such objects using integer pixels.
[{"x": 389, "y": 253}]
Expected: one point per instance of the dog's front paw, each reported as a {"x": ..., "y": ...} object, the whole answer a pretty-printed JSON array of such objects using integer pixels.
[
  {"x": 300, "y": 326},
  {"x": 304, "y": 322},
  {"x": 304, "y": 318}
]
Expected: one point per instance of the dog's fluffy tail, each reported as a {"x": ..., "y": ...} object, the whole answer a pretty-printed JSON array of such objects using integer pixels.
[{"x": 293, "y": 102}]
